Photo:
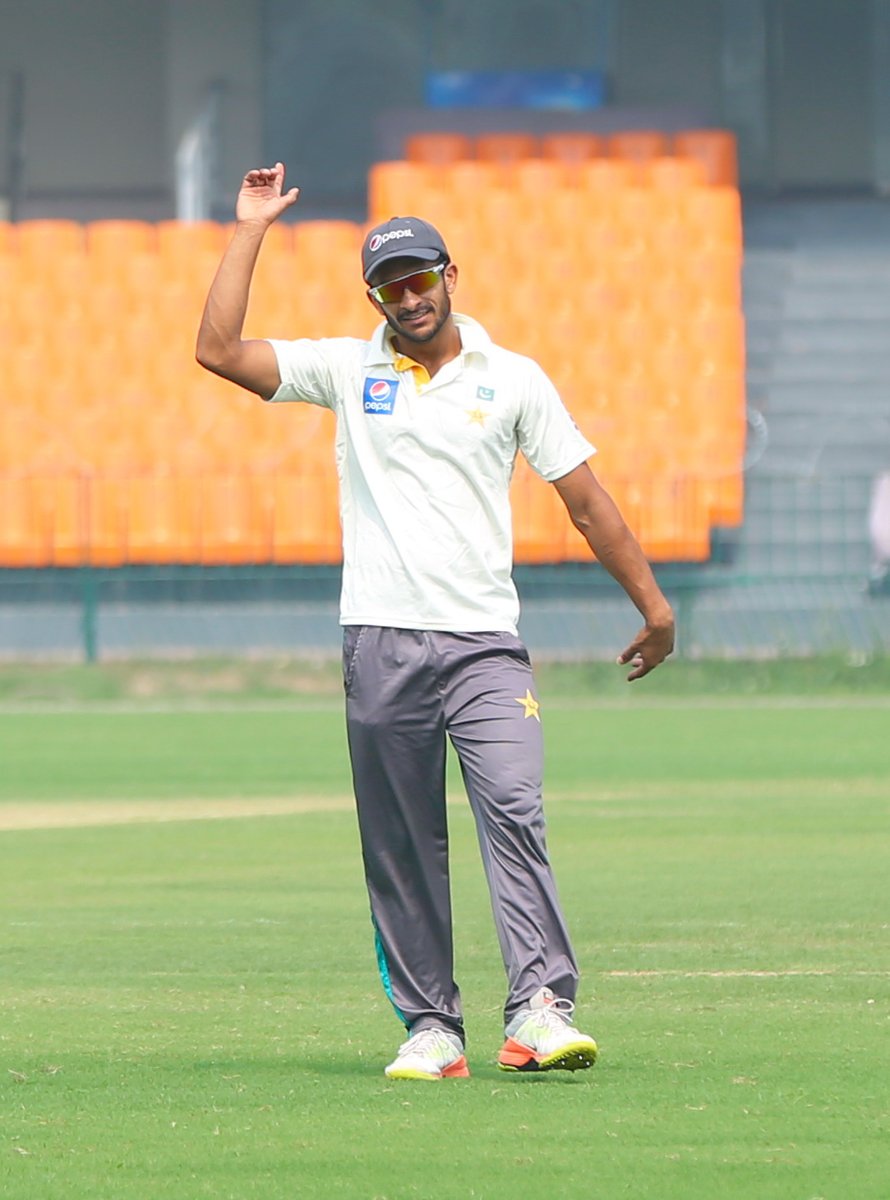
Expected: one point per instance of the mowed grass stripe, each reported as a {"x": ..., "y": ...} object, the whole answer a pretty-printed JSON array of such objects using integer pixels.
[
  {"x": 614, "y": 804},
  {"x": 140, "y": 756},
  {"x": 633, "y": 699}
]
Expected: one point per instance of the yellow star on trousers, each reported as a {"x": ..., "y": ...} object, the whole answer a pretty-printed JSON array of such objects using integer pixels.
[
  {"x": 530, "y": 704},
  {"x": 477, "y": 416}
]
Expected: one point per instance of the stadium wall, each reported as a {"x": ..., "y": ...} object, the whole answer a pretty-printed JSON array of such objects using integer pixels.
[{"x": 110, "y": 87}]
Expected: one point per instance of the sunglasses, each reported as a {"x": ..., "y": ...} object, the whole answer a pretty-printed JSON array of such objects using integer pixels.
[{"x": 417, "y": 282}]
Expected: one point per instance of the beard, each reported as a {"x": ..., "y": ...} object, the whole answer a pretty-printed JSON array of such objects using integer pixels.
[{"x": 410, "y": 336}]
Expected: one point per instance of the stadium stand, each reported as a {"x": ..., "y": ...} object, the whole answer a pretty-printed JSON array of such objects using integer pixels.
[
  {"x": 614, "y": 260},
  {"x": 436, "y": 147},
  {"x": 715, "y": 149}
]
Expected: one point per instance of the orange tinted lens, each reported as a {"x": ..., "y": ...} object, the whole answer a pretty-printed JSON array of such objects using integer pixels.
[{"x": 421, "y": 281}]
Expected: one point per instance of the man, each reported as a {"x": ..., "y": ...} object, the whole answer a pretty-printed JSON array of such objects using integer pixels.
[{"x": 430, "y": 415}]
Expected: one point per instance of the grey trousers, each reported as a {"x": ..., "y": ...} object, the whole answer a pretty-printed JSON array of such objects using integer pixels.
[{"x": 405, "y": 691}]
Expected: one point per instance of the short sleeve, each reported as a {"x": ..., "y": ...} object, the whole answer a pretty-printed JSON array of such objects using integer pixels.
[
  {"x": 310, "y": 369},
  {"x": 547, "y": 435}
]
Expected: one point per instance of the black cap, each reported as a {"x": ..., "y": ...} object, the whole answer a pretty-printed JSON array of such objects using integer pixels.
[{"x": 401, "y": 237}]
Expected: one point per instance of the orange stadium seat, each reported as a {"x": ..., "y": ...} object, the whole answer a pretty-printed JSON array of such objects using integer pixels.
[
  {"x": 572, "y": 146},
  {"x": 142, "y": 282},
  {"x": 25, "y": 534},
  {"x": 713, "y": 276},
  {"x": 715, "y": 149},
  {"x": 43, "y": 521},
  {"x": 639, "y": 213},
  {"x": 175, "y": 238},
  {"x": 279, "y": 236},
  {"x": 714, "y": 217},
  {"x": 459, "y": 184},
  {"x": 437, "y": 147},
  {"x": 395, "y": 188},
  {"x": 43, "y": 240},
  {"x": 601, "y": 183},
  {"x": 668, "y": 527},
  {"x": 540, "y": 522},
  {"x": 69, "y": 276},
  {"x": 306, "y": 521},
  {"x": 505, "y": 147},
  {"x": 718, "y": 335},
  {"x": 538, "y": 178},
  {"x": 10, "y": 271},
  {"x": 669, "y": 172},
  {"x": 163, "y": 519},
  {"x": 236, "y": 519},
  {"x": 115, "y": 240},
  {"x": 63, "y": 498},
  {"x": 637, "y": 146},
  {"x": 107, "y": 521},
  {"x": 318, "y": 245},
  {"x": 712, "y": 453},
  {"x": 719, "y": 399}
]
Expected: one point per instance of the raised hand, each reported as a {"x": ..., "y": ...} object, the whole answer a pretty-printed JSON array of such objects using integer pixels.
[{"x": 261, "y": 199}]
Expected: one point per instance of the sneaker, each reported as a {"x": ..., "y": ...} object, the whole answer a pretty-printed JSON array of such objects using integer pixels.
[
  {"x": 542, "y": 1038},
  {"x": 429, "y": 1054}
]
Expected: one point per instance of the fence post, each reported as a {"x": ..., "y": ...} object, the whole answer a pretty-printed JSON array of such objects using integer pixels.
[
  {"x": 89, "y": 596},
  {"x": 686, "y": 591}
]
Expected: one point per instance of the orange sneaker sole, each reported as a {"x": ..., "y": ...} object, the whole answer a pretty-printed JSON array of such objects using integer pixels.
[{"x": 514, "y": 1056}]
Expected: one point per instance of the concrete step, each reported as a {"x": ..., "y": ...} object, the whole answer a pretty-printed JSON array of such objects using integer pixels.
[
  {"x": 803, "y": 337},
  {"x": 766, "y": 495},
  {"x": 862, "y": 370},
  {"x": 823, "y": 461},
  {"x": 851, "y": 305},
  {"x": 799, "y": 398},
  {"x": 790, "y": 557}
]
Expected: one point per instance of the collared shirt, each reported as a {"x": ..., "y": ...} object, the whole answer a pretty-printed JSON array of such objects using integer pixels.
[{"x": 425, "y": 467}]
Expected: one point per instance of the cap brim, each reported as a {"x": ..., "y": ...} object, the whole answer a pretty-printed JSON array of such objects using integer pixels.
[{"x": 424, "y": 255}]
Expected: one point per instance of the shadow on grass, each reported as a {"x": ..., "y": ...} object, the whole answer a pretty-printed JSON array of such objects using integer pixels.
[{"x": 358, "y": 1067}]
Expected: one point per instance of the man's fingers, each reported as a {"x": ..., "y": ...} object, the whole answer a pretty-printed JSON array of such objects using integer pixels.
[
  {"x": 626, "y": 655},
  {"x": 646, "y": 651},
  {"x": 633, "y": 656},
  {"x": 266, "y": 177},
  {"x": 640, "y": 668}
]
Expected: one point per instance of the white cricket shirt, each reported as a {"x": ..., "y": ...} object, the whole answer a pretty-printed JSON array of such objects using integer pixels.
[{"x": 425, "y": 469}]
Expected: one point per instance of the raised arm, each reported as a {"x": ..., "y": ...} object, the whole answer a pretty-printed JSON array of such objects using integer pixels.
[
  {"x": 595, "y": 515},
  {"x": 220, "y": 347}
]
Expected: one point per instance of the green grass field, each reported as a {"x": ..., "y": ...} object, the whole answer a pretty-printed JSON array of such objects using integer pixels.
[{"x": 190, "y": 1006}]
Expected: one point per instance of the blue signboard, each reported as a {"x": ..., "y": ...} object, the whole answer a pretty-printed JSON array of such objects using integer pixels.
[{"x": 572, "y": 90}]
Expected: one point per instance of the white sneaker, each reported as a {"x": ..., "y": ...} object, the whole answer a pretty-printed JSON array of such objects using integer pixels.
[
  {"x": 542, "y": 1038},
  {"x": 429, "y": 1054}
]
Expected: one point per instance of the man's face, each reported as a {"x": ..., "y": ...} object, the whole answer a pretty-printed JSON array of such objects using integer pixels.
[{"x": 424, "y": 304}]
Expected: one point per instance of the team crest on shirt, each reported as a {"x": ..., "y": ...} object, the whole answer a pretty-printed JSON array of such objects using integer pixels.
[
  {"x": 379, "y": 396},
  {"x": 484, "y": 393}
]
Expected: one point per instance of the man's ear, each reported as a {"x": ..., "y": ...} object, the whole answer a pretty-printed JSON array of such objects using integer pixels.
[{"x": 450, "y": 278}]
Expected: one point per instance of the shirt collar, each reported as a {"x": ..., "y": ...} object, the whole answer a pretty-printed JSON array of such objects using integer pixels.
[{"x": 474, "y": 340}]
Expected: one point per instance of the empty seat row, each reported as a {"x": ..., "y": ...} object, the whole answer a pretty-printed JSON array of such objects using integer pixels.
[
  {"x": 71, "y": 520},
  {"x": 113, "y": 240},
  {"x": 714, "y": 149}
]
